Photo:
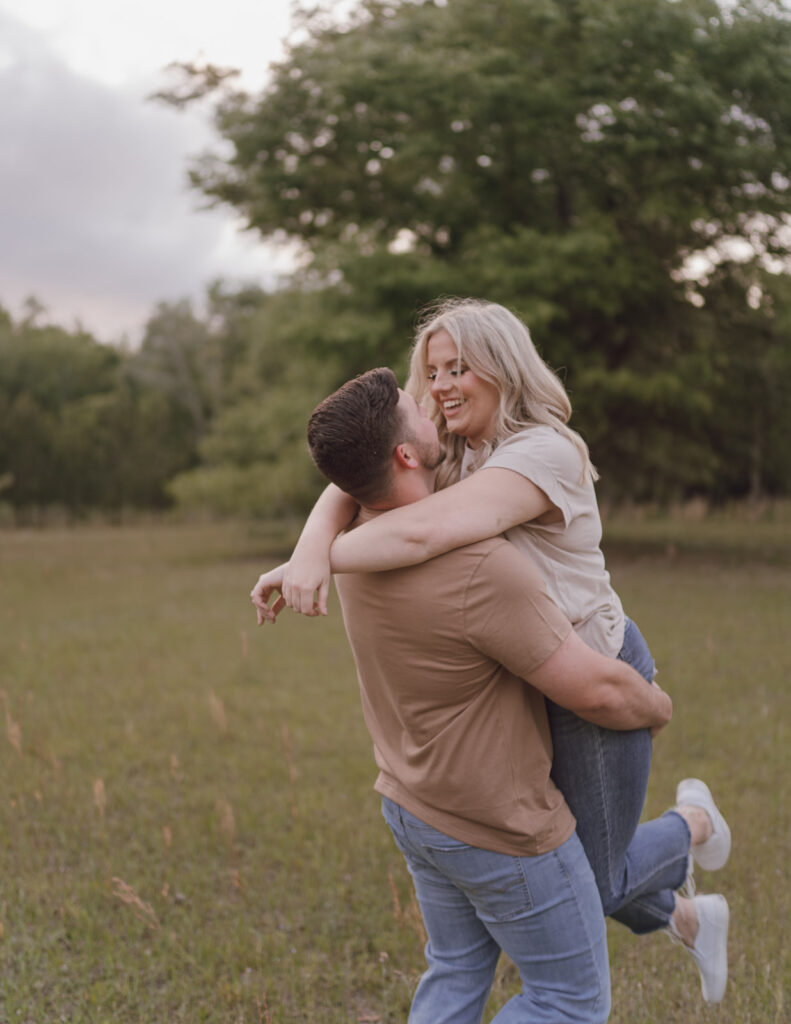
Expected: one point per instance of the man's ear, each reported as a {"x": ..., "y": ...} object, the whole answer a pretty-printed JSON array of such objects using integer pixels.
[{"x": 406, "y": 456}]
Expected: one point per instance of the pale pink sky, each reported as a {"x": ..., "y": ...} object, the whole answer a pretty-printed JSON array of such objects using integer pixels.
[{"x": 95, "y": 217}]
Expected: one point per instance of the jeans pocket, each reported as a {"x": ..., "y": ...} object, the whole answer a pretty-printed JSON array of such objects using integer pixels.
[{"x": 494, "y": 883}]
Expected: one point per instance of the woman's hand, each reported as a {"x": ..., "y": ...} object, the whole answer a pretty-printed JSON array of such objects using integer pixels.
[
  {"x": 306, "y": 584},
  {"x": 294, "y": 587},
  {"x": 270, "y": 583},
  {"x": 303, "y": 583}
]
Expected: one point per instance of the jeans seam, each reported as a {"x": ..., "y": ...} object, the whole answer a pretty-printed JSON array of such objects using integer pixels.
[
  {"x": 527, "y": 894},
  {"x": 605, "y": 808},
  {"x": 583, "y": 920}
]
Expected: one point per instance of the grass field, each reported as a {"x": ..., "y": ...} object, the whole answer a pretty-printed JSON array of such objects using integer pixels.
[{"x": 187, "y": 826}]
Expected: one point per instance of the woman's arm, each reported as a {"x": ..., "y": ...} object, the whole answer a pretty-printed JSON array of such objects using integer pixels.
[
  {"x": 306, "y": 577},
  {"x": 482, "y": 505}
]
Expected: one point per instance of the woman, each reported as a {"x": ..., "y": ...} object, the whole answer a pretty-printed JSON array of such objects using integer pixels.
[{"x": 513, "y": 465}]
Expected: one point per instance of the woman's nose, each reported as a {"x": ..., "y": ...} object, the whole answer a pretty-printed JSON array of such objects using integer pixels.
[{"x": 440, "y": 383}]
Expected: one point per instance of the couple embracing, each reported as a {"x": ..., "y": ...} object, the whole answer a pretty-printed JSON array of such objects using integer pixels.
[{"x": 510, "y": 701}]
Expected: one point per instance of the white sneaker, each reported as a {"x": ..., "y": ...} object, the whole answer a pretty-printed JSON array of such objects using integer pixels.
[
  {"x": 710, "y": 951},
  {"x": 712, "y": 854}
]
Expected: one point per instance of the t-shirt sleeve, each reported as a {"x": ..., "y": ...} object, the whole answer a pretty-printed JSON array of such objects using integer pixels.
[
  {"x": 508, "y": 614},
  {"x": 547, "y": 459}
]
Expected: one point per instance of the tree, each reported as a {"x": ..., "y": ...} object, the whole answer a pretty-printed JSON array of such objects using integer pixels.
[
  {"x": 751, "y": 358},
  {"x": 658, "y": 128},
  {"x": 75, "y": 429},
  {"x": 178, "y": 358},
  {"x": 566, "y": 157},
  {"x": 254, "y": 460}
]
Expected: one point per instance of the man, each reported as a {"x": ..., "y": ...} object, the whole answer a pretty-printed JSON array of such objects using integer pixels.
[{"x": 443, "y": 650}]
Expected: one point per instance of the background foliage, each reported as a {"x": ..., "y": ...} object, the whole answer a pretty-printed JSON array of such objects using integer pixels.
[{"x": 617, "y": 171}]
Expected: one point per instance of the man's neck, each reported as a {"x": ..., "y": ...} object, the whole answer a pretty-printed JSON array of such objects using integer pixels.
[{"x": 408, "y": 488}]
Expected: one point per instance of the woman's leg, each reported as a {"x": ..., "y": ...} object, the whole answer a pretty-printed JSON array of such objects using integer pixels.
[{"x": 604, "y": 774}]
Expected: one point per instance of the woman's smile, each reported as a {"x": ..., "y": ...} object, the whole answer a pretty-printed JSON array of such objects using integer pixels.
[{"x": 468, "y": 402}]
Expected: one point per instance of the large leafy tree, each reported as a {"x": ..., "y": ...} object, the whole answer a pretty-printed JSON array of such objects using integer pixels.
[
  {"x": 77, "y": 429},
  {"x": 571, "y": 158}
]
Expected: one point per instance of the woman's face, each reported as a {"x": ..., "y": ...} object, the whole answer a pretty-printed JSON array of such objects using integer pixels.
[{"x": 468, "y": 402}]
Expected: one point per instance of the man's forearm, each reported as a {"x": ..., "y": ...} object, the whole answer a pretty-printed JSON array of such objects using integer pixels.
[
  {"x": 623, "y": 699},
  {"x": 602, "y": 690}
]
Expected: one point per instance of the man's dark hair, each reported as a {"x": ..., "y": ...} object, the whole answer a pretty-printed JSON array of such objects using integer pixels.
[{"x": 353, "y": 433}]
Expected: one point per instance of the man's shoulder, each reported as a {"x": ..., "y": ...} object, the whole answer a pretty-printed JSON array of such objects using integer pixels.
[
  {"x": 495, "y": 563},
  {"x": 502, "y": 559},
  {"x": 478, "y": 555}
]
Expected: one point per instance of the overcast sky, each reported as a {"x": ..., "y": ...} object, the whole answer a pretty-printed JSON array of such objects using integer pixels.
[{"x": 96, "y": 219}]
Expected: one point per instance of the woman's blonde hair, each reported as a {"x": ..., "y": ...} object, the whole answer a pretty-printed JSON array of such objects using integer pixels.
[{"x": 496, "y": 345}]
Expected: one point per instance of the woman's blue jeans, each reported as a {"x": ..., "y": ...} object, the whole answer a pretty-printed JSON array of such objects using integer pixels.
[
  {"x": 603, "y": 775},
  {"x": 543, "y": 911}
]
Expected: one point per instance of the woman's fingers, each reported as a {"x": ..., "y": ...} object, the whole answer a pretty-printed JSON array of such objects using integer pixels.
[
  {"x": 322, "y": 596},
  {"x": 307, "y": 596}
]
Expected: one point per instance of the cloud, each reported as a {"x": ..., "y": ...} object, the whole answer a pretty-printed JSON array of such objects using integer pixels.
[{"x": 96, "y": 218}]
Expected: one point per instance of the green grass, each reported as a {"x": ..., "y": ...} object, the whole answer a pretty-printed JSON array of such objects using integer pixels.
[{"x": 187, "y": 826}]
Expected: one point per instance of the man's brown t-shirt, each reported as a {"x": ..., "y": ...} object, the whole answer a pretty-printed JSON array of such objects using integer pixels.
[{"x": 442, "y": 650}]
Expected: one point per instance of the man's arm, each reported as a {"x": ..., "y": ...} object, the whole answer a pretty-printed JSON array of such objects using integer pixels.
[
  {"x": 510, "y": 616},
  {"x": 602, "y": 690}
]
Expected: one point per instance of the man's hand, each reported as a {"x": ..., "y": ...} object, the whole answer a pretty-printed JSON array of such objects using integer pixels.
[
  {"x": 664, "y": 707},
  {"x": 605, "y": 691}
]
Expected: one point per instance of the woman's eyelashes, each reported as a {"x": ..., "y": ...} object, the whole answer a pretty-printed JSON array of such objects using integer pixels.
[{"x": 455, "y": 372}]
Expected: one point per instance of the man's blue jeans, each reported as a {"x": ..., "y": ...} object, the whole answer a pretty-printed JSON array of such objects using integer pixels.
[
  {"x": 603, "y": 775},
  {"x": 543, "y": 911}
]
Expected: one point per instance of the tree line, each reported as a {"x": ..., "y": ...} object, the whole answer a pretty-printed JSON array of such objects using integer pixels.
[{"x": 616, "y": 171}]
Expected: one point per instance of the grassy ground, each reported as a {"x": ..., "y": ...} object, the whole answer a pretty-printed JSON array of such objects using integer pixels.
[{"x": 187, "y": 827}]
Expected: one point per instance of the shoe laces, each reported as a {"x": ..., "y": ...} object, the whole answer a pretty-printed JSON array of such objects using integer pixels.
[
  {"x": 688, "y": 888},
  {"x": 673, "y": 935}
]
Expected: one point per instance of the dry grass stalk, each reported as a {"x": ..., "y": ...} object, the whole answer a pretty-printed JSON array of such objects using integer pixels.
[
  {"x": 217, "y": 709},
  {"x": 264, "y": 1016},
  {"x": 227, "y": 820},
  {"x": 13, "y": 729},
  {"x": 99, "y": 796},
  {"x": 397, "y": 911},
  {"x": 414, "y": 917},
  {"x": 46, "y": 755},
  {"x": 143, "y": 911},
  {"x": 167, "y": 836},
  {"x": 175, "y": 768}
]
